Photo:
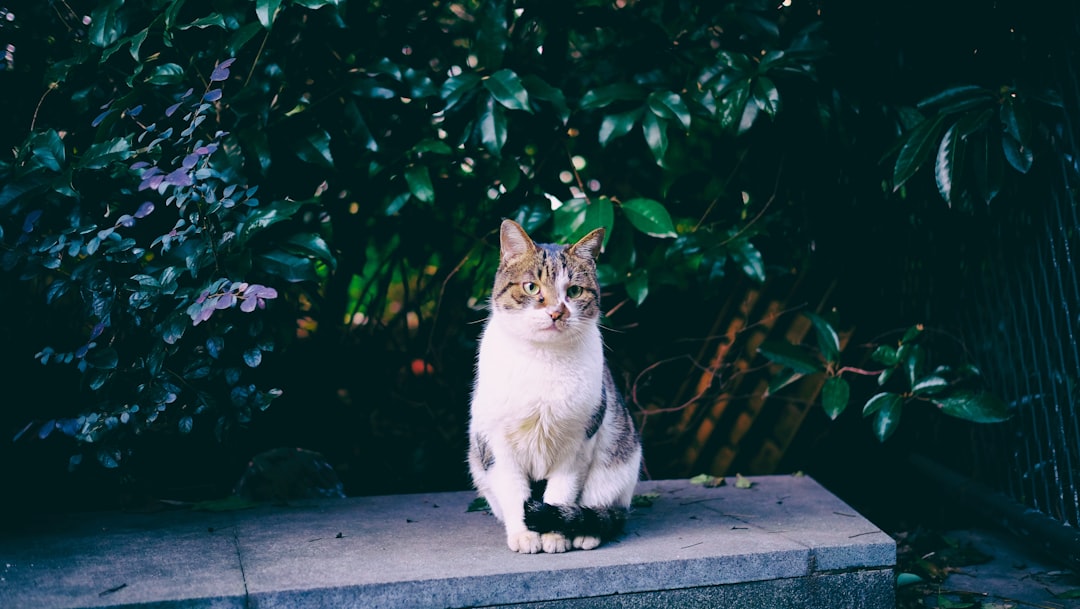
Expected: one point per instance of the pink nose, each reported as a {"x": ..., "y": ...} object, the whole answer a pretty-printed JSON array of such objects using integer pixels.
[{"x": 559, "y": 312}]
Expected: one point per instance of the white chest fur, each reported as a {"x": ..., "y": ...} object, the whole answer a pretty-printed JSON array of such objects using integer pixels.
[{"x": 537, "y": 397}]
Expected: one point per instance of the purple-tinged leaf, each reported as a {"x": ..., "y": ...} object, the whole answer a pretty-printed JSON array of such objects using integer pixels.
[
  {"x": 172, "y": 109},
  {"x": 213, "y": 95},
  {"x": 214, "y": 345},
  {"x": 179, "y": 177},
  {"x": 144, "y": 210},
  {"x": 221, "y": 71},
  {"x": 126, "y": 221},
  {"x": 31, "y": 219},
  {"x": 135, "y": 111},
  {"x": 190, "y": 161},
  {"x": 226, "y": 300},
  {"x": 99, "y": 118},
  {"x": 46, "y": 429}
]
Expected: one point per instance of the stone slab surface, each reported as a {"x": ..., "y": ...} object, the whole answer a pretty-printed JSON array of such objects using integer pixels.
[{"x": 784, "y": 538}]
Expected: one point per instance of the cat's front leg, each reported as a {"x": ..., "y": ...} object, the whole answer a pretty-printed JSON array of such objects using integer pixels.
[
  {"x": 510, "y": 490},
  {"x": 563, "y": 488}
]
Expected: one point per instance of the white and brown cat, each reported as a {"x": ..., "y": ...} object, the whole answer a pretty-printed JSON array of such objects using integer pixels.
[{"x": 552, "y": 446}]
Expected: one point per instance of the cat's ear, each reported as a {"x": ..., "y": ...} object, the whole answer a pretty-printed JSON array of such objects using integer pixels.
[
  {"x": 589, "y": 245},
  {"x": 514, "y": 241}
]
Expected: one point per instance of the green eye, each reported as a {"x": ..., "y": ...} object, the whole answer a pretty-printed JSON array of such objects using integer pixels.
[
  {"x": 530, "y": 288},
  {"x": 573, "y": 291}
]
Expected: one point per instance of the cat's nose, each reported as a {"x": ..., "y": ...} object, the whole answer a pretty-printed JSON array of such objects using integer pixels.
[{"x": 559, "y": 312}]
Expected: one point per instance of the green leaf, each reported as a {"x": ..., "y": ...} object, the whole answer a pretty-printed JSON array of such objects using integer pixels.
[
  {"x": 507, "y": 89},
  {"x": 455, "y": 89},
  {"x": 637, "y": 286},
  {"x": 649, "y": 217},
  {"x": 786, "y": 377},
  {"x": 617, "y": 125},
  {"x": 106, "y": 26},
  {"x": 949, "y": 163},
  {"x": 603, "y": 96},
  {"x": 166, "y": 74},
  {"x": 880, "y": 401},
  {"x": 569, "y": 217},
  {"x": 792, "y": 356},
  {"x": 986, "y": 163},
  {"x": 732, "y": 106},
  {"x": 266, "y": 11},
  {"x": 1017, "y": 154},
  {"x": 493, "y": 128},
  {"x": 655, "y": 131},
  {"x": 971, "y": 405},
  {"x": 906, "y": 579},
  {"x": 312, "y": 244},
  {"x": 957, "y": 99},
  {"x": 315, "y": 149},
  {"x": 888, "y": 419},
  {"x": 930, "y": 385},
  {"x": 884, "y": 354},
  {"x": 749, "y": 259},
  {"x": 539, "y": 89},
  {"x": 266, "y": 215},
  {"x": 912, "y": 333},
  {"x": 834, "y": 396},
  {"x": 766, "y": 96},
  {"x": 742, "y": 482},
  {"x": 48, "y": 150},
  {"x": 917, "y": 149},
  {"x": 419, "y": 180},
  {"x": 290, "y": 267},
  {"x": 827, "y": 339},
  {"x": 913, "y": 357},
  {"x": 478, "y": 505},
  {"x": 670, "y": 106}
]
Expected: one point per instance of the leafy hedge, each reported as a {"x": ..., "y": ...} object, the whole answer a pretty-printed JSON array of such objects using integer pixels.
[{"x": 196, "y": 184}]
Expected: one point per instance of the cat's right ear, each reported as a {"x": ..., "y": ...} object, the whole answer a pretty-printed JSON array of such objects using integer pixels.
[{"x": 514, "y": 241}]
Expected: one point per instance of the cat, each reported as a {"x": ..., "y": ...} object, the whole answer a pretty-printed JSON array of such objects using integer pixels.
[{"x": 552, "y": 446}]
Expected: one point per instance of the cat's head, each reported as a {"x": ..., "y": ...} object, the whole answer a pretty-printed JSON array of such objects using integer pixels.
[{"x": 550, "y": 291}]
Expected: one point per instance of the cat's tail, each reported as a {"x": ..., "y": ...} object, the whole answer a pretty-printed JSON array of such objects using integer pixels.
[{"x": 574, "y": 520}]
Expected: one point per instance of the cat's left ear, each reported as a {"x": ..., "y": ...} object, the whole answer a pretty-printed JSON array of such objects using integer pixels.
[{"x": 589, "y": 245}]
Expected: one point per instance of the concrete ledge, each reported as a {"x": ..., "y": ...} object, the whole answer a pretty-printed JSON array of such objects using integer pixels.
[{"x": 785, "y": 542}]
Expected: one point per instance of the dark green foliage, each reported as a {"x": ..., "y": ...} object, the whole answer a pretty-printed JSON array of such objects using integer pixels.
[{"x": 197, "y": 184}]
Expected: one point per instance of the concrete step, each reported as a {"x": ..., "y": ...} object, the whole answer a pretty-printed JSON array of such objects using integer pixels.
[{"x": 784, "y": 542}]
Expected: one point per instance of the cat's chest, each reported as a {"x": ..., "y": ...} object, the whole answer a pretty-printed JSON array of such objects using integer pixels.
[{"x": 537, "y": 382}]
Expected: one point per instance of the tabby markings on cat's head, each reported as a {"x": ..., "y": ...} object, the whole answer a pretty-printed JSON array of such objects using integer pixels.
[{"x": 551, "y": 288}]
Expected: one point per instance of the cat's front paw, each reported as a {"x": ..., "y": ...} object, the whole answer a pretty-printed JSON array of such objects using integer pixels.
[
  {"x": 525, "y": 542},
  {"x": 586, "y": 542},
  {"x": 555, "y": 543}
]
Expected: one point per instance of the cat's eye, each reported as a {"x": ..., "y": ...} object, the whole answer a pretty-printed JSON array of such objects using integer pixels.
[
  {"x": 573, "y": 291},
  {"x": 530, "y": 288}
]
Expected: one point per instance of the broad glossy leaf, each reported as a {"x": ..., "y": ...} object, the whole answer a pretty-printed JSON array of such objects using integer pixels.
[
  {"x": 786, "y": 377},
  {"x": 290, "y": 267},
  {"x": 106, "y": 26},
  {"x": 976, "y": 406},
  {"x": 732, "y": 106},
  {"x": 879, "y": 401},
  {"x": 649, "y": 217},
  {"x": 748, "y": 258},
  {"x": 766, "y": 95},
  {"x": 507, "y": 89},
  {"x": 617, "y": 125},
  {"x": 888, "y": 419},
  {"x": 949, "y": 163},
  {"x": 166, "y": 74},
  {"x": 266, "y": 11},
  {"x": 603, "y": 96},
  {"x": 419, "y": 181},
  {"x": 600, "y": 213},
  {"x": 827, "y": 339},
  {"x": 655, "y": 131},
  {"x": 312, "y": 244},
  {"x": 48, "y": 150},
  {"x": 792, "y": 356},
  {"x": 670, "y": 106},
  {"x": 986, "y": 164},
  {"x": 539, "y": 89},
  {"x": 1017, "y": 154},
  {"x": 919, "y": 145},
  {"x": 569, "y": 217},
  {"x": 492, "y": 127},
  {"x": 929, "y": 385},
  {"x": 455, "y": 89},
  {"x": 315, "y": 149},
  {"x": 913, "y": 357},
  {"x": 266, "y": 215},
  {"x": 637, "y": 285},
  {"x": 835, "y": 394},
  {"x": 957, "y": 99}
]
